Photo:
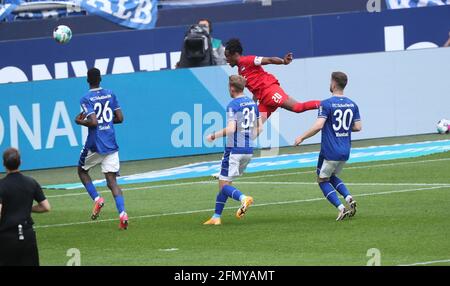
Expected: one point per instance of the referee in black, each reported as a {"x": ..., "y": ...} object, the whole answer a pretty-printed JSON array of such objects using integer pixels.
[{"x": 18, "y": 246}]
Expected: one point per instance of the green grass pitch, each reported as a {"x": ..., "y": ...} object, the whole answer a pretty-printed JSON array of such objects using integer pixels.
[{"x": 403, "y": 212}]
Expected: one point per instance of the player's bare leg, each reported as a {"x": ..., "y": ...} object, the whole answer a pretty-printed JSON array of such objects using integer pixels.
[
  {"x": 84, "y": 176},
  {"x": 223, "y": 183},
  {"x": 111, "y": 181},
  {"x": 295, "y": 106},
  {"x": 99, "y": 202}
]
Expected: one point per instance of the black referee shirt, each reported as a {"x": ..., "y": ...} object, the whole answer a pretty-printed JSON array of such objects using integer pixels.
[{"x": 17, "y": 193}]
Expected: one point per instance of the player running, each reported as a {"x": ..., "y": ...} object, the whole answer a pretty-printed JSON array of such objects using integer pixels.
[
  {"x": 338, "y": 117},
  {"x": 263, "y": 85},
  {"x": 243, "y": 125},
  {"x": 101, "y": 111}
]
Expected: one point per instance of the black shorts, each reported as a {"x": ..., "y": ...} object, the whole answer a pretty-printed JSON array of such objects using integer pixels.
[{"x": 15, "y": 252}]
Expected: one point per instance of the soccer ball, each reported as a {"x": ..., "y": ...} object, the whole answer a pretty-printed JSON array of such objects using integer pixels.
[
  {"x": 62, "y": 34},
  {"x": 442, "y": 126}
]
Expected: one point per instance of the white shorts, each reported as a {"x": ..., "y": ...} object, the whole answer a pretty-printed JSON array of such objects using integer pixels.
[
  {"x": 330, "y": 168},
  {"x": 110, "y": 162},
  {"x": 233, "y": 165}
]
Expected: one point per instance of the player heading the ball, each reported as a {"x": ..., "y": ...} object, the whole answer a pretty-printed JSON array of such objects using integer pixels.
[{"x": 264, "y": 86}]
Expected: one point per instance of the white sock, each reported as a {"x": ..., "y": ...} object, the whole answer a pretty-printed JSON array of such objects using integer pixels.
[
  {"x": 97, "y": 198},
  {"x": 122, "y": 214},
  {"x": 348, "y": 198},
  {"x": 341, "y": 207}
]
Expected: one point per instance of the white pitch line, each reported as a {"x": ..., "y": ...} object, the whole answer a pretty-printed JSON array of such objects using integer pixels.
[
  {"x": 137, "y": 188},
  {"x": 426, "y": 262},
  {"x": 249, "y": 177},
  {"x": 256, "y": 205},
  {"x": 349, "y": 184},
  {"x": 169, "y": 249}
]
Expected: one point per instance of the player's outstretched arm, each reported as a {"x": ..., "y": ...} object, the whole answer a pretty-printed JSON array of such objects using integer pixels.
[
  {"x": 118, "y": 116},
  {"x": 230, "y": 129},
  {"x": 317, "y": 126},
  {"x": 277, "y": 61}
]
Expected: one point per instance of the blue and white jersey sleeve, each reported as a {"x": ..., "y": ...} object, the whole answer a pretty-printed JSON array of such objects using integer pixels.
[
  {"x": 324, "y": 111},
  {"x": 87, "y": 106}
]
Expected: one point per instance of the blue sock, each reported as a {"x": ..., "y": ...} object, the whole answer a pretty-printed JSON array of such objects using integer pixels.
[
  {"x": 90, "y": 188},
  {"x": 232, "y": 192},
  {"x": 120, "y": 204},
  {"x": 220, "y": 204},
  {"x": 339, "y": 186},
  {"x": 330, "y": 193}
]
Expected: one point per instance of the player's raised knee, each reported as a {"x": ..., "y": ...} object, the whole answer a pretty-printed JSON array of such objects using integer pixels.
[{"x": 322, "y": 180}]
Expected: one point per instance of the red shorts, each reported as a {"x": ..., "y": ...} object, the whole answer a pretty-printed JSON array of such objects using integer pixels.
[{"x": 271, "y": 98}]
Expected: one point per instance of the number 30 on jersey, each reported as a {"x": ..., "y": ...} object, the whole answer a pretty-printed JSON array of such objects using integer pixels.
[{"x": 343, "y": 119}]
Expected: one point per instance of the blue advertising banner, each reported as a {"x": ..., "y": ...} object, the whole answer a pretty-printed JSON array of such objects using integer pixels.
[
  {"x": 159, "y": 48},
  {"x": 162, "y": 119}
]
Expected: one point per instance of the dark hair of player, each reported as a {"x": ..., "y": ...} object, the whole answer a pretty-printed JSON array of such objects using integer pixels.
[
  {"x": 11, "y": 159},
  {"x": 340, "y": 78},
  {"x": 209, "y": 24},
  {"x": 237, "y": 82},
  {"x": 93, "y": 76},
  {"x": 234, "y": 46}
]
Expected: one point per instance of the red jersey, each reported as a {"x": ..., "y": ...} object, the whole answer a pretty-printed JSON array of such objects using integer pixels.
[{"x": 257, "y": 78}]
